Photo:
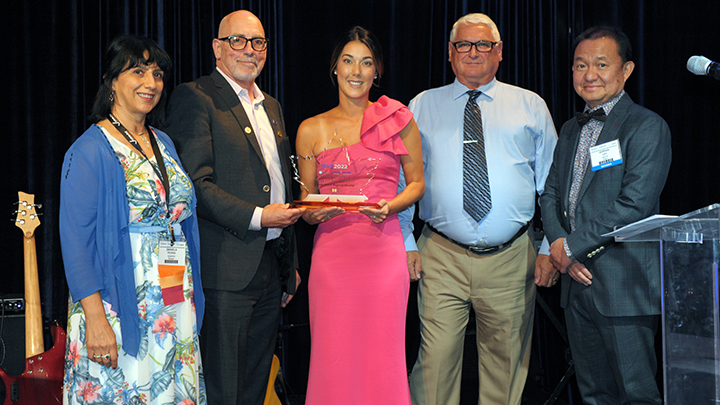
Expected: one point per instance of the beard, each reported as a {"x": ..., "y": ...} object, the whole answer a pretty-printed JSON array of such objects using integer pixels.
[{"x": 241, "y": 72}]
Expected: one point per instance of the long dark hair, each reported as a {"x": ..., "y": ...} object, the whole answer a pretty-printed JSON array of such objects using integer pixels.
[
  {"x": 126, "y": 52},
  {"x": 357, "y": 34}
]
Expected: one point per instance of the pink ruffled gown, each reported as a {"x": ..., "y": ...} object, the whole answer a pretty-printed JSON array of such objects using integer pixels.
[{"x": 359, "y": 282}]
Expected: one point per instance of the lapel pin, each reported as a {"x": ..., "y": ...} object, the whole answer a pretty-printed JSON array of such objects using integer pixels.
[
  {"x": 248, "y": 130},
  {"x": 279, "y": 134}
]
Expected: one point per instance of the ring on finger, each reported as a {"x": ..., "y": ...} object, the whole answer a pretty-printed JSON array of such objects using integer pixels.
[
  {"x": 106, "y": 356},
  {"x": 97, "y": 356}
]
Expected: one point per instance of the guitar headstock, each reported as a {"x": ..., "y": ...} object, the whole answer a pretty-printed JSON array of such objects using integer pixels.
[{"x": 27, "y": 217}]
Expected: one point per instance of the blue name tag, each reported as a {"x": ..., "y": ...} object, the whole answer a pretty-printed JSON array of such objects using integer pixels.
[{"x": 606, "y": 155}]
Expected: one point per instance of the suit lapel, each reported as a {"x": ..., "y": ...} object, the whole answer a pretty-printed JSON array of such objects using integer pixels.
[
  {"x": 610, "y": 131},
  {"x": 571, "y": 151},
  {"x": 244, "y": 127},
  {"x": 278, "y": 128}
]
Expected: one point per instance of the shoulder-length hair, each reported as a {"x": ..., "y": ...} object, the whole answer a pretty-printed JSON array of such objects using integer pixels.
[{"x": 126, "y": 52}]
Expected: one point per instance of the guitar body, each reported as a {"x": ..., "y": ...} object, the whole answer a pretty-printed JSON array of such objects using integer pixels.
[
  {"x": 271, "y": 397},
  {"x": 41, "y": 382}
]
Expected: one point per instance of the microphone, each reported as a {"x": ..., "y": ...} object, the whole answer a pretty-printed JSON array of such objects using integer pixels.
[{"x": 703, "y": 66}]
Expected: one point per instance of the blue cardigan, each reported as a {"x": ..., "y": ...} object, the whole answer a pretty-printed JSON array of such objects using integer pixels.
[{"x": 94, "y": 234}]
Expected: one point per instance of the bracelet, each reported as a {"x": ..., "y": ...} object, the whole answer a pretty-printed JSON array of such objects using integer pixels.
[{"x": 568, "y": 252}]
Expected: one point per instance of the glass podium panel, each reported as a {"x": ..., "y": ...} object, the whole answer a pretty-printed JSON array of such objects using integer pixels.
[{"x": 690, "y": 251}]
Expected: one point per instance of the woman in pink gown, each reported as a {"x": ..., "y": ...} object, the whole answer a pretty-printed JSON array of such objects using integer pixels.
[{"x": 359, "y": 281}]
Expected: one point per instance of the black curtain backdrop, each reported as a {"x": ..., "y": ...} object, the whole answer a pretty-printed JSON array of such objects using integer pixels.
[{"x": 53, "y": 52}]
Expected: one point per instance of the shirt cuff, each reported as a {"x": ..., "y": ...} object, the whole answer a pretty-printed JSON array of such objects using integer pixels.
[
  {"x": 544, "y": 247},
  {"x": 410, "y": 243},
  {"x": 256, "y": 220}
]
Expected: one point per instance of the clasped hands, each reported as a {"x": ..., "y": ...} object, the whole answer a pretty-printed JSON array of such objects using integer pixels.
[{"x": 564, "y": 264}]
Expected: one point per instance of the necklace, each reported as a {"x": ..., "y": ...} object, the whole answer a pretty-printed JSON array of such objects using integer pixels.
[
  {"x": 144, "y": 138},
  {"x": 140, "y": 135}
]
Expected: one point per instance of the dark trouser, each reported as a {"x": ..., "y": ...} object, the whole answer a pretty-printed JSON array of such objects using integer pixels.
[
  {"x": 238, "y": 337},
  {"x": 614, "y": 356}
]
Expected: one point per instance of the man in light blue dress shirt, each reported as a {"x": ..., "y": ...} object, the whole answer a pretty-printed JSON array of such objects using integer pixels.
[{"x": 488, "y": 264}]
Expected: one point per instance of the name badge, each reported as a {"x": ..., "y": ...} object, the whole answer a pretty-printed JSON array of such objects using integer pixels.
[
  {"x": 171, "y": 266},
  {"x": 605, "y": 155}
]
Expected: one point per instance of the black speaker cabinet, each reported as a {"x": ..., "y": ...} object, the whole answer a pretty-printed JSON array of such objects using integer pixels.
[
  {"x": 12, "y": 347},
  {"x": 12, "y": 343}
]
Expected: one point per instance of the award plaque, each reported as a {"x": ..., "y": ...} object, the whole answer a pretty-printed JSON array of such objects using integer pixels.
[
  {"x": 350, "y": 203},
  {"x": 343, "y": 177}
]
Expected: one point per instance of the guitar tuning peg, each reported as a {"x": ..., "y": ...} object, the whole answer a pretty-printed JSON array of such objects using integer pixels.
[
  {"x": 21, "y": 212},
  {"x": 21, "y": 221},
  {"x": 37, "y": 205},
  {"x": 35, "y": 215}
]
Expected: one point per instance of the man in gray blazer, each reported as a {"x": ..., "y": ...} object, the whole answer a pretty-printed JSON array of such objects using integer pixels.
[
  {"x": 609, "y": 168},
  {"x": 232, "y": 141}
]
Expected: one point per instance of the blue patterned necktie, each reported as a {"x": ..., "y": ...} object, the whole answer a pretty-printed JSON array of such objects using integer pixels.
[{"x": 476, "y": 186}]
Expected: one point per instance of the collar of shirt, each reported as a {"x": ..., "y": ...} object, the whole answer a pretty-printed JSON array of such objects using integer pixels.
[
  {"x": 242, "y": 93},
  {"x": 608, "y": 105},
  {"x": 488, "y": 90}
]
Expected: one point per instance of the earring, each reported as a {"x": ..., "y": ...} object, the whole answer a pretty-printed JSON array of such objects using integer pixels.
[
  {"x": 112, "y": 96},
  {"x": 335, "y": 73},
  {"x": 376, "y": 76}
]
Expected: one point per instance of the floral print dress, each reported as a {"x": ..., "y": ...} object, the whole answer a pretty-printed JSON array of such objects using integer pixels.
[{"x": 167, "y": 369}]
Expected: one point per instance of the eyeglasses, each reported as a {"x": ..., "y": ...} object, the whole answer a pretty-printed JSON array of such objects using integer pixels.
[
  {"x": 480, "y": 46},
  {"x": 238, "y": 43}
]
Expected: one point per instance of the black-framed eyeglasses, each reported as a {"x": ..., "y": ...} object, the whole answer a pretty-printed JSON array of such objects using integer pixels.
[
  {"x": 238, "y": 42},
  {"x": 480, "y": 46}
]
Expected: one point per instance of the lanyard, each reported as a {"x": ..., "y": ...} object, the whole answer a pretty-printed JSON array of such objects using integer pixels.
[{"x": 162, "y": 173}]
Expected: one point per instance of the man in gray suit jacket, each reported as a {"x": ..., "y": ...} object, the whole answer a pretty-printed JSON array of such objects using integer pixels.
[
  {"x": 609, "y": 168},
  {"x": 232, "y": 141}
]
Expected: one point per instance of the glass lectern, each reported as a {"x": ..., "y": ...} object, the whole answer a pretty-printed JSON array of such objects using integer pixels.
[{"x": 690, "y": 251}]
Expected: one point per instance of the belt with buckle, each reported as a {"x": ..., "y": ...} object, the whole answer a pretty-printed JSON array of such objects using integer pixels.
[{"x": 483, "y": 250}]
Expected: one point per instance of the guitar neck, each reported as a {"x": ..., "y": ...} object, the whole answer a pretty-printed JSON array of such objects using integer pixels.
[
  {"x": 27, "y": 220},
  {"x": 33, "y": 316}
]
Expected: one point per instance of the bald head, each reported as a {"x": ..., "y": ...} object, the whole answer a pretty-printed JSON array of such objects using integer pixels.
[{"x": 240, "y": 17}]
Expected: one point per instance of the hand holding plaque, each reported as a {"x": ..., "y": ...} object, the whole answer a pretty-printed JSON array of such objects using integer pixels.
[
  {"x": 378, "y": 214},
  {"x": 349, "y": 203},
  {"x": 344, "y": 181}
]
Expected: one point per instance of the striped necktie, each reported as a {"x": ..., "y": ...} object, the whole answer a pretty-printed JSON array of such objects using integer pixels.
[{"x": 476, "y": 186}]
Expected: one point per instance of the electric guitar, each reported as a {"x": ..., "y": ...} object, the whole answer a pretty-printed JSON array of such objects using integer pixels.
[
  {"x": 271, "y": 397},
  {"x": 41, "y": 382}
]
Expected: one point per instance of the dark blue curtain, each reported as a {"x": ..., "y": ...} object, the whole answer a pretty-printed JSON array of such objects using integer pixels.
[{"x": 53, "y": 53}]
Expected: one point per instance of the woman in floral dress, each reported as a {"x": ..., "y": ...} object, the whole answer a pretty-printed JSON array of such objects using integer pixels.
[{"x": 130, "y": 246}]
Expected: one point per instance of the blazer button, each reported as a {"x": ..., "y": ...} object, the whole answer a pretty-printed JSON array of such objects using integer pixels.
[
  {"x": 565, "y": 213},
  {"x": 266, "y": 188}
]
